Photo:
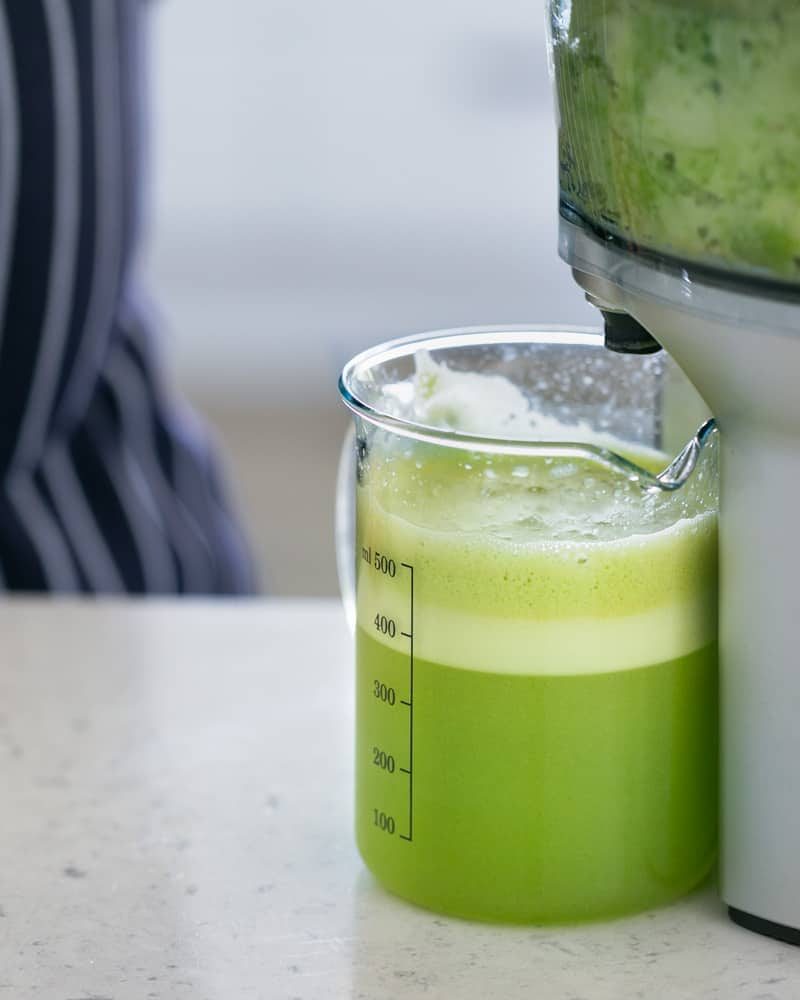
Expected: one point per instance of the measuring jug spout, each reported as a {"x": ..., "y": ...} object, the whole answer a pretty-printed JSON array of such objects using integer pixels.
[{"x": 679, "y": 470}]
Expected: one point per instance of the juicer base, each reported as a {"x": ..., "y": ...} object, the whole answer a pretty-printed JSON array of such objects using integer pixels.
[{"x": 781, "y": 932}]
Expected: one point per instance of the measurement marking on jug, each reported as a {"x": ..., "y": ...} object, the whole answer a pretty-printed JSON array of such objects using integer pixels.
[
  {"x": 410, "y": 703},
  {"x": 383, "y": 821},
  {"x": 386, "y": 626},
  {"x": 383, "y": 760},
  {"x": 382, "y": 563}
]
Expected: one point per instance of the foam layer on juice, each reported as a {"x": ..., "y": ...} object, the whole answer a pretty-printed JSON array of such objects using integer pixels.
[
  {"x": 488, "y": 405},
  {"x": 606, "y": 607},
  {"x": 540, "y": 565}
]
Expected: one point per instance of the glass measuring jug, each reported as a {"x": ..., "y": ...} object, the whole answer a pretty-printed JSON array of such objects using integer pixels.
[{"x": 534, "y": 604}]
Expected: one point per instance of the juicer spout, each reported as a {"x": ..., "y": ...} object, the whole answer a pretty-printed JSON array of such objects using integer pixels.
[{"x": 623, "y": 333}]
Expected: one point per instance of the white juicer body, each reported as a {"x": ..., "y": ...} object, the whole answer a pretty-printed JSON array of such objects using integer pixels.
[{"x": 743, "y": 354}]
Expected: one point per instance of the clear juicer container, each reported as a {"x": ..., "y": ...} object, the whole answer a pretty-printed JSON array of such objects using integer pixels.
[{"x": 679, "y": 128}]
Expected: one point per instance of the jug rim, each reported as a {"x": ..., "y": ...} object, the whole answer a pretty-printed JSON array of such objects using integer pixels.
[{"x": 671, "y": 478}]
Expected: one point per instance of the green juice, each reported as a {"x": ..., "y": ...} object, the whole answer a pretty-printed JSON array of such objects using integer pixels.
[
  {"x": 539, "y": 798},
  {"x": 536, "y": 684}
]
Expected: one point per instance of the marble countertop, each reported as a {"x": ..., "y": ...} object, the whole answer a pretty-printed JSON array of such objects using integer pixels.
[{"x": 176, "y": 823}]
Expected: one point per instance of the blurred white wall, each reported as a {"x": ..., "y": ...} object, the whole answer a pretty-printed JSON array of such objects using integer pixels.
[{"x": 326, "y": 175}]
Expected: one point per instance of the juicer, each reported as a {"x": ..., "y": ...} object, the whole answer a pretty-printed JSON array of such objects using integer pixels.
[{"x": 679, "y": 167}]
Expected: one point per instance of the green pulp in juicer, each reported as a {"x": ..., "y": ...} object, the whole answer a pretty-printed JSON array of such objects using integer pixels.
[
  {"x": 679, "y": 127},
  {"x": 565, "y": 670}
]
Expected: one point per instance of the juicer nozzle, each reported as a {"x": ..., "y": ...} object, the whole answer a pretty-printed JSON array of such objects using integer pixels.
[{"x": 626, "y": 335}]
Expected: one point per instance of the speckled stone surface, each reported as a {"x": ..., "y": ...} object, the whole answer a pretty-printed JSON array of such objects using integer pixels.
[{"x": 175, "y": 823}]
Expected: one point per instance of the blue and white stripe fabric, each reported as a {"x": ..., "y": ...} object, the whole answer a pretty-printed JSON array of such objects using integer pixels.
[{"x": 107, "y": 483}]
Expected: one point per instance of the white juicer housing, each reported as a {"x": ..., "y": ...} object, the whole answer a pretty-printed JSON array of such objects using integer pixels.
[{"x": 739, "y": 342}]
